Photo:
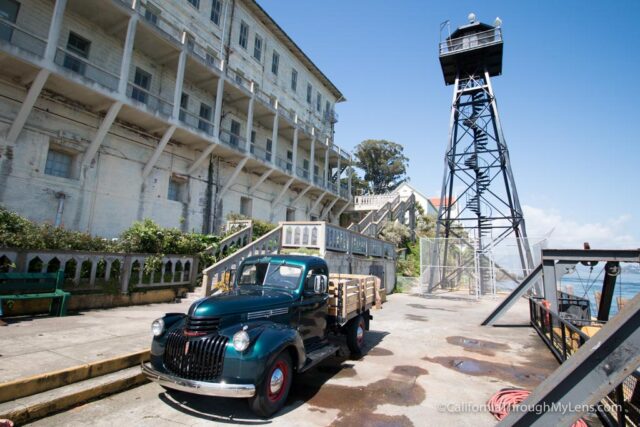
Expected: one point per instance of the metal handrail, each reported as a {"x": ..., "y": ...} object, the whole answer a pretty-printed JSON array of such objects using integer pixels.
[
  {"x": 24, "y": 44},
  {"x": 227, "y": 137},
  {"x": 196, "y": 122},
  {"x": 161, "y": 103},
  {"x": 471, "y": 41},
  {"x": 260, "y": 152}
]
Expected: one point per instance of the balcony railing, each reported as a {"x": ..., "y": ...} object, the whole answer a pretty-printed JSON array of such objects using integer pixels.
[
  {"x": 153, "y": 102},
  {"x": 260, "y": 153},
  {"x": 318, "y": 180},
  {"x": 471, "y": 41},
  {"x": 160, "y": 23},
  {"x": 323, "y": 236},
  {"x": 344, "y": 190},
  {"x": 86, "y": 69},
  {"x": 233, "y": 140},
  {"x": 284, "y": 164},
  {"x": 18, "y": 37},
  {"x": 239, "y": 79},
  {"x": 302, "y": 173},
  {"x": 265, "y": 98},
  {"x": 284, "y": 111},
  {"x": 196, "y": 122},
  {"x": 204, "y": 55}
]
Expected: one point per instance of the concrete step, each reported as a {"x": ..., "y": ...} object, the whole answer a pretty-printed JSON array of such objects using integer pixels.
[{"x": 40, "y": 405}]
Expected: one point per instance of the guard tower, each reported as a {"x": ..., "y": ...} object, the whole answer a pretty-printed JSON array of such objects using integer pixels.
[{"x": 477, "y": 165}]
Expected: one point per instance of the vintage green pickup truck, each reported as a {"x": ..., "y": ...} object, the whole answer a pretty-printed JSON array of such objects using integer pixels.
[{"x": 284, "y": 315}]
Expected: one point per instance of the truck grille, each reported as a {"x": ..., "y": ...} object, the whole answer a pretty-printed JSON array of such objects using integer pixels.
[
  {"x": 200, "y": 360},
  {"x": 206, "y": 325}
]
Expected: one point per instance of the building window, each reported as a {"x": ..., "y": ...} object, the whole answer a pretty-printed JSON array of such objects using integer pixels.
[
  {"x": 216, "y": 10},
  {"x": 246, "y": 206},
  {"x": 58, "y": 164},
  {"x": 141, "y": 84},
  {"x": 257, "y": 48},
  {"x": 9, "y": 12},
  {"x": 309, "y": 91},
  {"x": 316, "y": 171},
  {"x": 269, "y": 149},
  {"x": 234, "y": 136},
  {"x": 275, "y": 63},
  {"x": 151, "y": 13},
  {"x": 291, "y": 214},
  {"x": 204, "y": 124},
  {"x": 195, "y": 3},
  {"x": 327, "y": 108},
  {"x": 305, "y": 168},
  {"x": 244, "y": 34},
  {"x": 190, "y": 40},
  {"x": 78, "y": 47},
  {"x": 289, "y": 160},
  {"x": 318, "y": 102},
  {"x": 175, "y": 190},
  {"x": 294, "y": 80},
  {"x": 184, "y": 106}
]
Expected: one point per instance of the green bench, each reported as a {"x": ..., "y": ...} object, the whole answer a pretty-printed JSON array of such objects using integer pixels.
[{"x": 23, "y": 286}]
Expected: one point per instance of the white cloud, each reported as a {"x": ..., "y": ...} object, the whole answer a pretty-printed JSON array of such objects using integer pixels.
[{"x": 567, "y": 233}]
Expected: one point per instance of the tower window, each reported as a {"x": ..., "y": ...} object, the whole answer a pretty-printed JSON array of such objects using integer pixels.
[
  {"x": 309, "y": 91},
  {"x": 318, "y": 102},
  {"x": 194, "y": 3}
]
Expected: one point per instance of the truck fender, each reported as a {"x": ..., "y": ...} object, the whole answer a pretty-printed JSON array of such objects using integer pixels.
[{"x": 277, "y": 337}]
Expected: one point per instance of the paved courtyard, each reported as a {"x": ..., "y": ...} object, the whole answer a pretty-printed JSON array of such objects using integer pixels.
[{"x": 428, "y": 362}]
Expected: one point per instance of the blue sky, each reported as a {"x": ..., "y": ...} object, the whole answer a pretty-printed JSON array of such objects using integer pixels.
[{"x": 568, "y": 98}]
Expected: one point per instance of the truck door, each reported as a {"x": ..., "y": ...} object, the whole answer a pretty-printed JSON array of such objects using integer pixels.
[{"x": 312, "y": 308}]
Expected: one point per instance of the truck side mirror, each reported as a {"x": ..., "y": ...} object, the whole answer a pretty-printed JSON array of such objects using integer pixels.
[{"x": 320, "y": 284}]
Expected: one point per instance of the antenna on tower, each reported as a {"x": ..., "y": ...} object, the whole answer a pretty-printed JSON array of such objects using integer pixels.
[{"x": 446, "y": 24}]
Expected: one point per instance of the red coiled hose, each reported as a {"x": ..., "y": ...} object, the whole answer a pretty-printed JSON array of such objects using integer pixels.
[{"x": 501, "y": 403}]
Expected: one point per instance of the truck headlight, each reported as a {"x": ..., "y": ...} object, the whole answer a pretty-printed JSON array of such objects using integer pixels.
[
  {"x": 241, "y": 341},
  {"x": 157, "y": 327}
]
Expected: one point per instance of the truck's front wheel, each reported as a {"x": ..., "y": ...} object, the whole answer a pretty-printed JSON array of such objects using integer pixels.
[
  {"x": 273, "y": 390},
  {"x": 355, "y": 335}
]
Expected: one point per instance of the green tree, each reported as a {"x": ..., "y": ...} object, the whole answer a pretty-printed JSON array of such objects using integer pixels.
[{"x": 384, "y": 164}]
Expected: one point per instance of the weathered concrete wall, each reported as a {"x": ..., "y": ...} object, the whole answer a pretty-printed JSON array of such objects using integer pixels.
[{"x": 94, "y": 301}]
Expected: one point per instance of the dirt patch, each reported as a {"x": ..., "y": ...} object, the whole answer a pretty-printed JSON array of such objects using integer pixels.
[
  {"x": 356, "y": 405},
  {"x": 410, "y": 371},
  {"x": 416, "y": 317},
  {"x": 379, "y": 351},
  {"x": 478, "y": 346},
  {"x": 526, "y": 376}
]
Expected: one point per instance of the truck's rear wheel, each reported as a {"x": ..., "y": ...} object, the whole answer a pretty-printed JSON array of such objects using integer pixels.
[
  {"x": 273, "y": 390},
  {"x": 355, "y": 335}
]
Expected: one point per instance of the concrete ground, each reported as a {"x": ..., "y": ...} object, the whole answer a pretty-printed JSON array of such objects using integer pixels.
[
  {"x": 37, "y": 345},
  {"x": 428, "y": 363}
]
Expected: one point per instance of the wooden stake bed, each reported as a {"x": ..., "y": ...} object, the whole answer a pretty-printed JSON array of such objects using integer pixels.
[{"x": 351, "y": 295}]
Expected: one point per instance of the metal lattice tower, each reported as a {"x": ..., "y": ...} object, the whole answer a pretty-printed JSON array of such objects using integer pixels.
[{"x": 477, "y": 164}]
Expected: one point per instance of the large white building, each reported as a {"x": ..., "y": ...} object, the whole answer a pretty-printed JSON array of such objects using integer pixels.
[{"x": 181, "y": 111}]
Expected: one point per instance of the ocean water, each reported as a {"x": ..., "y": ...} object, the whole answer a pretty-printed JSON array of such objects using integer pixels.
[{"x": 585, "y": 286}]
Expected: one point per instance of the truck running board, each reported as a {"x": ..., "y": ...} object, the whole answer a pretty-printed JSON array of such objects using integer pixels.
[{"x": 319, "y": 355}]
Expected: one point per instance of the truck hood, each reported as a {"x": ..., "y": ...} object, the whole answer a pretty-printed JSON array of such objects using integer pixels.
[{"x": 241, "y": 300}]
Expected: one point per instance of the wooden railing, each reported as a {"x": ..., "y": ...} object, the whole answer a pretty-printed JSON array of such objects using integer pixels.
[
  {"x": 219, "y": 274},
  {"x": 327, "y": 237},
  {"x": 103, "y": 271}
]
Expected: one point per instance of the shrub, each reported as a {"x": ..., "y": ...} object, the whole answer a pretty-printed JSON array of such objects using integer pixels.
[{"x": 260, "y": 227}]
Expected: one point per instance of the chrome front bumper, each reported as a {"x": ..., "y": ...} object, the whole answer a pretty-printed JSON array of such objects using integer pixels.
[{"x": 198, "y": 387}]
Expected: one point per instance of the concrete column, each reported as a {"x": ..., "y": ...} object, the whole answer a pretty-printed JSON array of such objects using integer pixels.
[
  {"x": 274, "y": 135},
  {"x": 350, "y": 169},
  {"x": 127, "y": 53},
  {"x": 54, "y": 30},
  {"x": 326, "y": 167},
  {"x": 312, "y": 158},
  {"x": 27, "y": 105},
  {"x": 295, "y": 145},
  {"x": 177, "y": 92},
  {"x": 217, "y": 114},
  {"x": 250, "y": 117},
  {"x": 338, "y": 172}
]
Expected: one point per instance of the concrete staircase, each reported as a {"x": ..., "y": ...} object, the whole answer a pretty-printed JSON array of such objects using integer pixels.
[{"x": 382, "y": 209}]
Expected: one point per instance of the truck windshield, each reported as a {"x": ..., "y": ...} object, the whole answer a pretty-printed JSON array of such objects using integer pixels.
[{"x": 272, "y": 275}]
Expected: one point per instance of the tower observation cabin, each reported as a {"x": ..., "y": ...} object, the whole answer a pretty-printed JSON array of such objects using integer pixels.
[{"x": 472, "y": 49}]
